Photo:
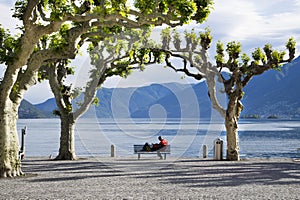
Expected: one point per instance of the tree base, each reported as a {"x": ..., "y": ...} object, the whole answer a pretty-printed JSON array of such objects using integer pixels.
[
  {"x": 67, "y": 156},
  {"x": 233, "y": 156},
  {"x": 11, "y": 173}
]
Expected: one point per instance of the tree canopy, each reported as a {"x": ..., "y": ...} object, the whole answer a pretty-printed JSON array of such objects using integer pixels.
[
  {"x": 53, "y": 31},
  {"x": 232, "y": 69}
]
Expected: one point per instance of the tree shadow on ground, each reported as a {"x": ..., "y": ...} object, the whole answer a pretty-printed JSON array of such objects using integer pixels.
[
  {"x": 189, "y": 173},
  {"x": 234, "y": 174}
]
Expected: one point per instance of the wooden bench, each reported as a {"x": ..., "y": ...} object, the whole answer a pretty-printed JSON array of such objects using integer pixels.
[{"x": 138, "y": 149}]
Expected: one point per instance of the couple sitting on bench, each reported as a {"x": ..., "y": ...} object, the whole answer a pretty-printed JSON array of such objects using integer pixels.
[{"x": 155, "y": 147}]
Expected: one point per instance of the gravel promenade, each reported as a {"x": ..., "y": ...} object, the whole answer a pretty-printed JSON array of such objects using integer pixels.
[{"x": 149, "y": 178}]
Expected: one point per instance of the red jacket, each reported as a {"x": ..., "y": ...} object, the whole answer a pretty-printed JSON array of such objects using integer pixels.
[{"x": 163, "y": 142}]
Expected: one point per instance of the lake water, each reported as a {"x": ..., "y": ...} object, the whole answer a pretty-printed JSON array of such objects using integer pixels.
[{"x": 94, "y": 137}]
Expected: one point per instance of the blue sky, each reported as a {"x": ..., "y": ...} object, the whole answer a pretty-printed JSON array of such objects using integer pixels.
[{"x": 251, "y": 22}]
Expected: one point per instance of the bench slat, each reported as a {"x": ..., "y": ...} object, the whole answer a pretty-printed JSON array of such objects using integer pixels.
[{"x": 138, "y": 149}]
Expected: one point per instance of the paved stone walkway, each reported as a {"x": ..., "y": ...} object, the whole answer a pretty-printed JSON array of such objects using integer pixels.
[{"x": 148, "y": 178}]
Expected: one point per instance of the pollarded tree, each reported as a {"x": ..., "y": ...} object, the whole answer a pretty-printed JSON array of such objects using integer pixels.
[
  {"x": 22, "y": 58},
  {"x": 40, "y": 20},
  {"x": 233, "y": 70},
  {"x": 106, "y": 61}
]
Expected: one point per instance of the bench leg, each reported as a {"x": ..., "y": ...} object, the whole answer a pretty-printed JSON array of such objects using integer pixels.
[{"x": 139, "y": 156}]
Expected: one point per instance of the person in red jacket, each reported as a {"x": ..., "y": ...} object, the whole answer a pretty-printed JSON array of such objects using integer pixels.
[{"x": 162, "y": 142}]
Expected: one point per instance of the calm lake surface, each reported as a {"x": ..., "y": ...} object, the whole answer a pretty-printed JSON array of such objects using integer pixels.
[{"x": 94, "y": 137}]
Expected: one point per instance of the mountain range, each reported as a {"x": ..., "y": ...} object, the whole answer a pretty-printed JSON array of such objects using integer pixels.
[{"x": 273, "y": 93}]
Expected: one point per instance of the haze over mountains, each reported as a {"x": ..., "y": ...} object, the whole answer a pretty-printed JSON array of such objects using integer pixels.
[{"x": 270, "y": 94}]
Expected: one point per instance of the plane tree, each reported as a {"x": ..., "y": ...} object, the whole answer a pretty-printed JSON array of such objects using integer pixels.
[
  {"x": 23, "y": 54},
  {"x": 20, "y": 57},
  {"x": 106, "y": 61},
  {"x": 233, "y": 69}
]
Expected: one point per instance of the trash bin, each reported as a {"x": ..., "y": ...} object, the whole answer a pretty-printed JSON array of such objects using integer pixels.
[{"x": 218, "y": 149}]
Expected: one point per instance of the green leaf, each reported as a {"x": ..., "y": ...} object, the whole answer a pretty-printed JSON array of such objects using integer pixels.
[
  {"x": 291, "y": 43},
  {"x": 96, "y": 101},
  {"x": 245, "y": 58},
  {"x": 205, "y": 38},
  {"x": 220, "y": 53},
  {"x": 234, "y": 49},
  {"x": 258, "y": 56}
]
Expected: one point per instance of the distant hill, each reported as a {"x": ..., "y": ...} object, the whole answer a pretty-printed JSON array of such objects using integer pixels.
[
  {"x": 27, "y": 110},
  {"x": 189, "y": 102},
  {"x": 270, "y": 94},
  {"x": 47, "y": 107},
  {"x": 132, "y": 102},
  {"x": 275, "y": 93}
]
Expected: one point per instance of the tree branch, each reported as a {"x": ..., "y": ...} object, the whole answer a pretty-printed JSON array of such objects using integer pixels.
[{"x": 56, "y": 86}]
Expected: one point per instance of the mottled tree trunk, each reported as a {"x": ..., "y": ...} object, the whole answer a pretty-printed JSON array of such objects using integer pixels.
[
  {"x": 10, "y": 164},
  {"x": 233, "y": 112},
  {"x": 67, "y": 146},
  {"x": 231, "y": 125}
]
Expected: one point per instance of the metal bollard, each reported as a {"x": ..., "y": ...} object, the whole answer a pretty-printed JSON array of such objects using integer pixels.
[
  {"x": 218, "y": 149},
  {"x": 205, "y": 151},
  {"x": 22, "y": 149},
  {"x": 112, "y": 150}
]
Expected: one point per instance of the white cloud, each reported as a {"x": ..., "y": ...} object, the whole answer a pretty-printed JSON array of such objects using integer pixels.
[
  {"x": 247, "y": 21},
  {"x": 251, "y": 22},
  {"x": 39, "y": 93},
  {"x": 6, "y": 20},
  {"x": 228, "y": 19}
]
